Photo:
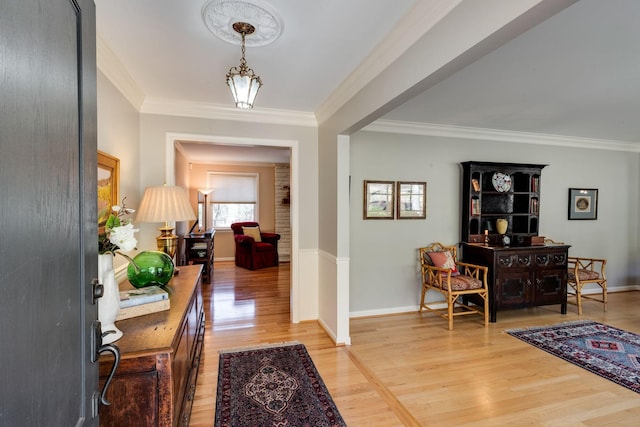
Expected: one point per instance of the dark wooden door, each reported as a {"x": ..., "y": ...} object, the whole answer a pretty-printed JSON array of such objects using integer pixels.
[{"x": 48, "y": 224}]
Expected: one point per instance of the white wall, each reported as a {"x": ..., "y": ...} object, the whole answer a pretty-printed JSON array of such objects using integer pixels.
[
  {"x": 118, "y": 135},
  {"x": 384, "y": 276}
]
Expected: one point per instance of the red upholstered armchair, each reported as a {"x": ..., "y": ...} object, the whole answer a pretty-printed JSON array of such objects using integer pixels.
[{"x": 254, "y": 249}]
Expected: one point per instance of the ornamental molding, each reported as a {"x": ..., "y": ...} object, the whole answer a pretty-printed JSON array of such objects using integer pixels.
[{"x": 220, "y": 15}]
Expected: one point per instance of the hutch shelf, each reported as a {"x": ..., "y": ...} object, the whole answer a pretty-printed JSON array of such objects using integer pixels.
[
  {"x": 500, "y": 190},
  {"x": 523, "y": 271}
]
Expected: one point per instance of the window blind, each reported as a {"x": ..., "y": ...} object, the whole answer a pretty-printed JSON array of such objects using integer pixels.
[{"x": 233, "y": 187}]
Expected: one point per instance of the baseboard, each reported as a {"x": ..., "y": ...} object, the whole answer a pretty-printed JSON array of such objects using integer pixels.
[
  {"x": 392, "y": 310},
  {"x": 443, "y": 305},
  {"x": 597, "y": 290},
  {"x": 328, "y": 331}
]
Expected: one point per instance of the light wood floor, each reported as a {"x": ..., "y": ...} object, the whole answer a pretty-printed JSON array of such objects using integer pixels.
[{"x": 408, "y": 369}]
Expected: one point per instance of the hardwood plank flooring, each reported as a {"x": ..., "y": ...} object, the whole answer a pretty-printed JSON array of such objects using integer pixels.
[{"x": 409, "y": 370}]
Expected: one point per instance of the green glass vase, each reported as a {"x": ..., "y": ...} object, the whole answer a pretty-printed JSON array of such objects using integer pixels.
[{"x": 150, "y": 268}]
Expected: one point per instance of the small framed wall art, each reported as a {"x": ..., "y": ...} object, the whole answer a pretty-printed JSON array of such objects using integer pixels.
[
  {"x": 411, "y": 200},
  {"x": 108, "y": 186},
  {"x": 583, "y": 203},
  {"x": 379, "y": 199}
]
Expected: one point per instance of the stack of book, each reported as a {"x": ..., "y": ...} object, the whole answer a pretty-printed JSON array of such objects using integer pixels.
[
  {"x": 138, "y": 302},
  {"x": 200, "y": 249}
]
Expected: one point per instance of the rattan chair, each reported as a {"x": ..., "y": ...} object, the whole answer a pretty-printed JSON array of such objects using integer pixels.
[
  {"x": 456, "y": 281},
  {"x": 585, "y": 271}
]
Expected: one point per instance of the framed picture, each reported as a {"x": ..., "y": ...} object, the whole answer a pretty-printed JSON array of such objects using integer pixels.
[
  {"x": 583, "y": 203},
  {"x": 108, "y": 183},
  {"x": 379, "y": 199},
  {"x": 411, "y": 201}
]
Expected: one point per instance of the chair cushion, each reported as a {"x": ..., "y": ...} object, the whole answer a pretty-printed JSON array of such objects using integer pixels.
[
  {"x": 464, "y": 283},
  {"x": 443, "y": 260},
  {"x": 252, "y": 232},
  {"x": 584, "y": 275},
  {"x": 264, "y": 247}
]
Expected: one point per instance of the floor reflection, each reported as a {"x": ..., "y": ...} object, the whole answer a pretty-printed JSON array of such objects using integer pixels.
[{"x": 239, "y": 296}]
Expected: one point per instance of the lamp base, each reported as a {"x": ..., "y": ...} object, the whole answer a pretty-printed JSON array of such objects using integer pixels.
[{"x": 167, "y": 242}]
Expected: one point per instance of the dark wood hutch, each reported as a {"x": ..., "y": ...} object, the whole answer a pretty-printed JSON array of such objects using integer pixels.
[{"x": 523, "y": 271}]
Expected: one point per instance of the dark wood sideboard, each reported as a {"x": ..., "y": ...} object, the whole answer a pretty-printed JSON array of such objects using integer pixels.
[
  {"x": 160, "y": 355},
  {"x": 522, "y": 276}
]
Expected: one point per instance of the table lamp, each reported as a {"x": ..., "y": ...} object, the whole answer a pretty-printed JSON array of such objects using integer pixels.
[{"x": 165, "y": 204}]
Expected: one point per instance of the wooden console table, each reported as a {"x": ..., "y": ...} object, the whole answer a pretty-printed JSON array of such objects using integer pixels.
[
  {"x": 522, "y": 276},
  {"x": 160, "y": 355}
]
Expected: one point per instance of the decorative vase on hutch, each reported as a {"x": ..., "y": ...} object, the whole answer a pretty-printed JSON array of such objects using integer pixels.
[
  {"x": 109, "y": 304},
  {"x": 501, "y": 225}
]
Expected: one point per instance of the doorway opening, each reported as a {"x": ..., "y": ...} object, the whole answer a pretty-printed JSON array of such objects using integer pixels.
[{"x": 170, "y": 152}]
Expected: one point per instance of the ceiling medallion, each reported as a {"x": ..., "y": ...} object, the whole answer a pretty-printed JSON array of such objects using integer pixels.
[{"x": 220, "y": 15}]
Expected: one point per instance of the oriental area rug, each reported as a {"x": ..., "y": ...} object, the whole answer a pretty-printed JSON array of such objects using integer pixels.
[
  {"x": 612, "y": 353},
  {"x": 272, "y": 386}
]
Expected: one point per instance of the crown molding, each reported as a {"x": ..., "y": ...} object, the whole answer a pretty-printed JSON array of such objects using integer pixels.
[
  {"x": 462, "y": 132},
  {"x": 173, "y": 107},
  {"x": 420, "y": 19},
  {"x": 109, "y": 64},
  {"x": 113, "y": 69}
]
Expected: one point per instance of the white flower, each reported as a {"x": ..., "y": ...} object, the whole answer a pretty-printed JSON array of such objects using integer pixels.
[
  {"x": 122, "y": 210},
  {"x": 123, "y": 237}
]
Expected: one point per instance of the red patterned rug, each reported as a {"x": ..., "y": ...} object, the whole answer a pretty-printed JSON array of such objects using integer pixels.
[
  {"x": 272, "y": 386},
  {"x": 612, "y": 353}
]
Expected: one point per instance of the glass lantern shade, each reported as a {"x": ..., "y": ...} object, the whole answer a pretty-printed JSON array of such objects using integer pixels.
[{"x": 244, "y": 87}]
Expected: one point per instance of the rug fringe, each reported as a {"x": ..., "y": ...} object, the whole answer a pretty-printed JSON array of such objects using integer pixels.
[
  {"x": 258, "y": 347},
  {"x": 530, "y": 328}
]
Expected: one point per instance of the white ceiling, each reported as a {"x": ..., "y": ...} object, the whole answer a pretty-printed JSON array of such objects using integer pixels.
[
  {"x": 171, "y": 54},
  {"x": 575, "y": 74}
]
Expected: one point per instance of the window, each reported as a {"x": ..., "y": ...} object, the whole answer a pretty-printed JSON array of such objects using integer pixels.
[{"x": 234, "y": 198}]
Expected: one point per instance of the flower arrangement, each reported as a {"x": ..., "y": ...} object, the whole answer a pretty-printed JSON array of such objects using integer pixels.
[{"x": 118, "y": 232}]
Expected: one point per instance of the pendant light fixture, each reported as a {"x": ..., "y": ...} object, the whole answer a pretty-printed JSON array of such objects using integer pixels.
[{"x": 242, "y": 81}]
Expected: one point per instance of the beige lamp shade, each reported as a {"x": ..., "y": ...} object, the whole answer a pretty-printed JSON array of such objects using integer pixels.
[{"x": 165, "y": 204}]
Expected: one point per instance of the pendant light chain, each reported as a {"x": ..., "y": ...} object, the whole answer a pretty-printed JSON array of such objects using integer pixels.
[{"x": 243, "y": 62}]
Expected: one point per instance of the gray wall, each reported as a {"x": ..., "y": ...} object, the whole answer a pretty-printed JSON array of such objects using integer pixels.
[
  {"x": 383, "y": 255},
  {"x": 119, "y": 135}
]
